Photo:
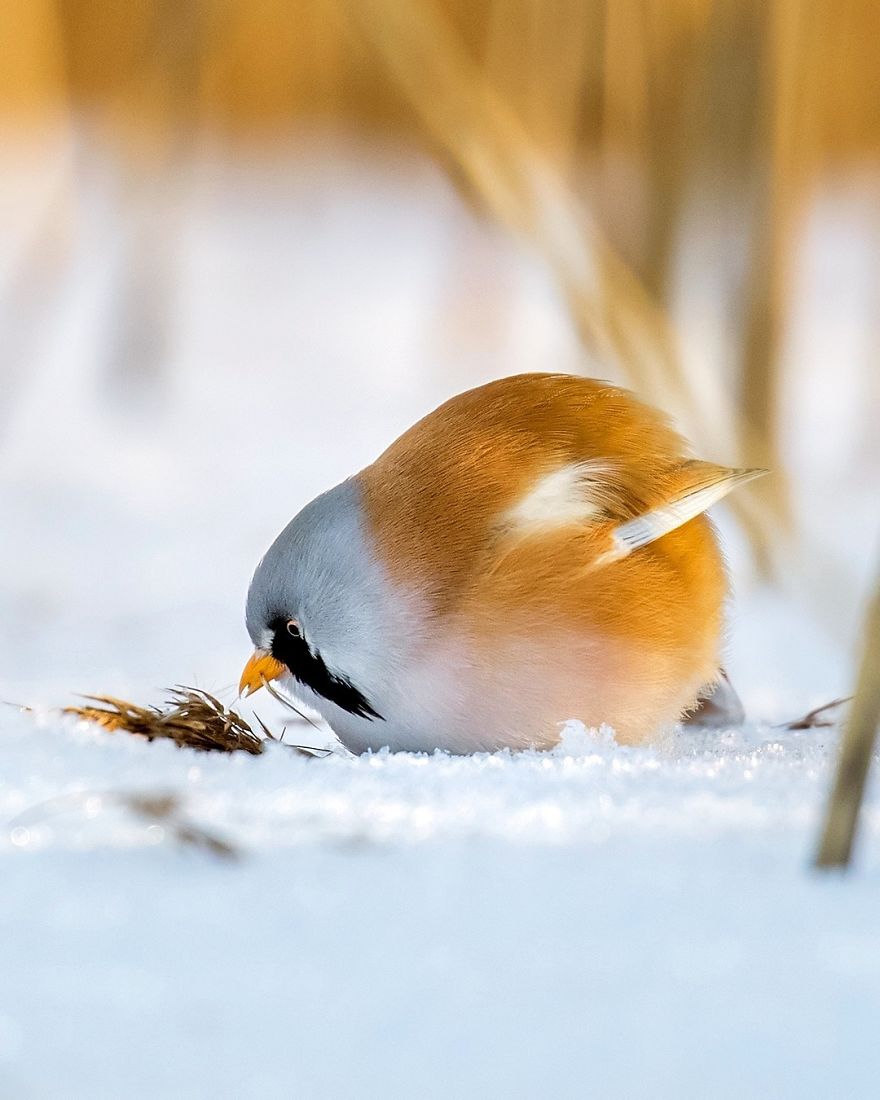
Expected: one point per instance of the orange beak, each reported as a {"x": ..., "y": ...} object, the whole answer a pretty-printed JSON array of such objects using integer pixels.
[{"x": 260, "y": 669}]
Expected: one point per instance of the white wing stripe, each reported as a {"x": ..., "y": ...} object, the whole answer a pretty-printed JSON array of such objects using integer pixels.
[{"x": 645, "y": 529}]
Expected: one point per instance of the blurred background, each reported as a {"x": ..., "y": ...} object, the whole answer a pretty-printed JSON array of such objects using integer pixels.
[{"x": 246, "y": 242}]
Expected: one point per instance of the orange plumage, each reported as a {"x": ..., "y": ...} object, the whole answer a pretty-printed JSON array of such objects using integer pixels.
[{"x": 630, "y": 644}]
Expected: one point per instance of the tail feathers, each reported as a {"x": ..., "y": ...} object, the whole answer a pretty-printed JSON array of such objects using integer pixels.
[{"x": 701, "y": 485}]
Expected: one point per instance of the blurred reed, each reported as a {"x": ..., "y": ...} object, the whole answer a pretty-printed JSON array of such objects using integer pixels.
[{"x": 589, "y": 127}]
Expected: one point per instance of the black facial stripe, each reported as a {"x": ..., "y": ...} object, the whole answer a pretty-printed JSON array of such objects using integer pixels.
[{"x": 310, "y": 670}]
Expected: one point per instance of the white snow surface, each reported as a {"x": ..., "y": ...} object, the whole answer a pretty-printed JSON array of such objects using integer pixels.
[{"x": 596, "y": 921}]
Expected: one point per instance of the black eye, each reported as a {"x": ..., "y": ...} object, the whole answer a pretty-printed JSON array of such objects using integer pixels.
[{"x": 293, "y": 628}]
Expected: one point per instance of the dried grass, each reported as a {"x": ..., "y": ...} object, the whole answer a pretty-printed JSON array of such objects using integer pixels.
[
  {"x": 824, "y": 717},
  {"x": 191, "y": 718}
]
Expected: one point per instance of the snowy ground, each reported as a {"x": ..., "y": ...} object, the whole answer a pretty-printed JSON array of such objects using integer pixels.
[
  {"x": 595, "y": 921},
  {"x": 592, "y": 922}
]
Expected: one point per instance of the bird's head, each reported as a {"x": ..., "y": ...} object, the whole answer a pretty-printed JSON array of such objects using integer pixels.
[{"x": 321, "y": 612}]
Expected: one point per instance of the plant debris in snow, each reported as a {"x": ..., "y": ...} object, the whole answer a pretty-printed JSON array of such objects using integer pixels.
[
  {"x": 190, "y": 718},
  {"x": 164, "y": 809},
  {"x": 823, "y": 717}
]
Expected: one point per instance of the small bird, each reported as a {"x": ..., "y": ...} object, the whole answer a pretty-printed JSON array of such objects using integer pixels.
[{"x": 533, "y": 551}]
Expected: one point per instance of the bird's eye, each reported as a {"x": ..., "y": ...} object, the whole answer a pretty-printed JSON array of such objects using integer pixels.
[{"x": 293, "y": 628}]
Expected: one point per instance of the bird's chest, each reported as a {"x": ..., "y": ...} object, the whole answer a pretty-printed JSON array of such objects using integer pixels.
[{"x": 462, "y": 696}]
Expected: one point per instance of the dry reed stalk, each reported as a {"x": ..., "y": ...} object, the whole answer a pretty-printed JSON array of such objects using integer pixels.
[
  {"x": 32, "y": 77},
  {"x": 814, "y": 74},
  {"x": 773, "y": 226},
  {"x": 824, "y": 717},
  {"x": 544, "y": 62},
  {"x": 653, "y": 53},
  {"x": 856, "y": 750},
  {"x": 489, "y": 147}
]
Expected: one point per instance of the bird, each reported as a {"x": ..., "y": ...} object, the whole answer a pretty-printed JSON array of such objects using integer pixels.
[{"x": 533, "y": 551}]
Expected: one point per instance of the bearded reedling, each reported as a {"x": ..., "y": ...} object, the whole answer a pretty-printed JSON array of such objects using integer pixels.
[{"x": 534, "y": 550}]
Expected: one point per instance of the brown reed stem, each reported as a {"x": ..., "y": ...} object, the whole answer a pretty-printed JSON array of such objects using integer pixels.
[{"x": 841, "y": 821}]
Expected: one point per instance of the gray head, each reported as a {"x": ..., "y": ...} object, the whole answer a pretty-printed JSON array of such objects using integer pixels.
[{"x": 321, "y": 604}]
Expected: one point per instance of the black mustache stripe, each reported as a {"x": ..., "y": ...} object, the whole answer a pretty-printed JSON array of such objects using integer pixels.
[{"x": 309, "y": 669}]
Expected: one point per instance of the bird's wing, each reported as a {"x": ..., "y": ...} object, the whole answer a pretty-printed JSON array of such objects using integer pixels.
[
  {"x": 572, "y": 493},
  {"x": 598, "y": 494}
]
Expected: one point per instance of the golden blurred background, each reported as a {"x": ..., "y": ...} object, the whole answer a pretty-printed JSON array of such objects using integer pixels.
[{"x": 614, "y": 138}]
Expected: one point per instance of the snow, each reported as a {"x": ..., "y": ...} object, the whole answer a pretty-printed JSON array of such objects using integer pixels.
[{"x": 594, "y": 921}]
